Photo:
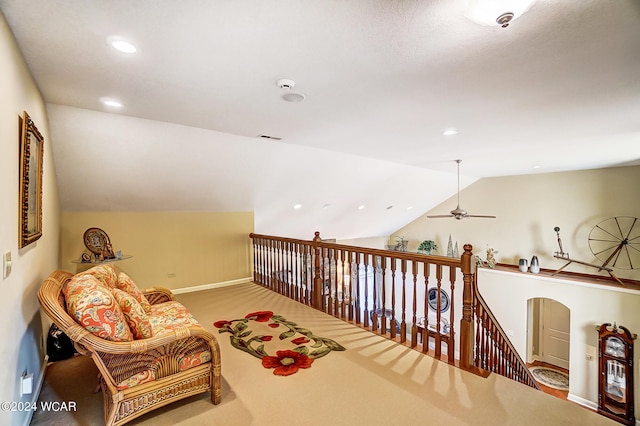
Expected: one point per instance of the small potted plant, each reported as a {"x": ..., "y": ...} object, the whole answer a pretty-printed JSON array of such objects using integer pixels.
[{"x": 427, "y": 246}]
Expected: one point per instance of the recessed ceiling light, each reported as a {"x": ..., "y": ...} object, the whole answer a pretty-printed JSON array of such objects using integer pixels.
[
  {"x": 112, "y": 103},
  {"x": 297, "y": 206},
  {"x": 537, "y": 166},
  {"x": 326, "y": 206},
  {"x": 449, "y": 132},
  {"x": 122, "y": 45},
  {"x": 361, "y": 207},
  {"x": 293, "y": 97},
  {"x": 410, "y": 207}
]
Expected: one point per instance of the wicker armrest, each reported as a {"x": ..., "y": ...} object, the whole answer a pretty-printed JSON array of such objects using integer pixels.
[{"x": 157, "y": 295}]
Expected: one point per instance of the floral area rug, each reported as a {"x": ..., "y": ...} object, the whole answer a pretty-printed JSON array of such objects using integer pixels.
[
  {"x": 281, "y": 344},
  {"x": 551, "y": 377}
]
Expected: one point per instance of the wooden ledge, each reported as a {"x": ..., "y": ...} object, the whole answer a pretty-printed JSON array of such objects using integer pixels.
[{"x": 574, "y": 276}]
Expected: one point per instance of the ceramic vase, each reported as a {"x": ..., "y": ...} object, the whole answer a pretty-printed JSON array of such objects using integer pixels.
[
  {"x": 523, "y": 265},
  {"x": 535, "y": 265}
]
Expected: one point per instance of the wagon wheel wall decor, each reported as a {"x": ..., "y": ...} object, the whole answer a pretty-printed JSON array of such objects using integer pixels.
[{"x": 616, "y": 242}]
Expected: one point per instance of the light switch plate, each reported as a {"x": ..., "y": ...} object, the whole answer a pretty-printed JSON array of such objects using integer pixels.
[
  {"x": 26, "y": 387},
  {"x": 6, "y": 264}
]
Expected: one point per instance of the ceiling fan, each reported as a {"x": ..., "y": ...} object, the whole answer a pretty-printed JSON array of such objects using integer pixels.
[{"x": 458, "y": 213}]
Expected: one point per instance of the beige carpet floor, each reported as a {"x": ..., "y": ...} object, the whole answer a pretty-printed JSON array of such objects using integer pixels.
[{"x": 374, "y": 382}]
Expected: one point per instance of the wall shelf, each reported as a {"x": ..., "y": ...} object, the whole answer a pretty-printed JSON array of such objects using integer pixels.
[{"x": 100, "y": 262}]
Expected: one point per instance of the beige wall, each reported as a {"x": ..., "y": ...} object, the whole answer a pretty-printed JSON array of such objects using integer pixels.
[
  {"x": 169, "y": 249},
  {"x": 528, "y": 207},
  {"x": 20, "y": 323},
  {"x": 589, "y": 305}
]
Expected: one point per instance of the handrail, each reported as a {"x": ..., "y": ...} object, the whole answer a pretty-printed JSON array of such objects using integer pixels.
[
  {"x": 493, "y": 349},
  {"x": 442, "y": 260},
  {"x": 384, "y": 291},
  {"x": 371, "y": 287}
]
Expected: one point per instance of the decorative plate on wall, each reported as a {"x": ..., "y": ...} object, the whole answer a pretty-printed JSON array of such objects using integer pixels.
[
  {"x": 432, "y": 296},
  {"x": 96, "y": 240}
]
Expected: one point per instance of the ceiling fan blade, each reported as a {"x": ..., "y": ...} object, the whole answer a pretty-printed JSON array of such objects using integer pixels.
[
  {"x": 479, "y": 215},
  {"x": 439, "y": 216}
]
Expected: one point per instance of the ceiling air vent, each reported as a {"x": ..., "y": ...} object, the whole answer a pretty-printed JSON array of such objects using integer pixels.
[{"x": 275, "y": 138}]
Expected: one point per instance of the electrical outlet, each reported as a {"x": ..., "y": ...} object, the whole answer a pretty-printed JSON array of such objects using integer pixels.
[
  {"x": 6, "y": 264},
  {"x": 171, "y": 275}
]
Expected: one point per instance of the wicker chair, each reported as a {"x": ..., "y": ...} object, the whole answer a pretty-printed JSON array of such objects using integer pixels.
[{"x": 119, "y": 360}]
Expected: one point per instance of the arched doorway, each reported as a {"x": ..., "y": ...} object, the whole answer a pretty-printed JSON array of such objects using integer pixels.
[{"x": 548, "y": 332}]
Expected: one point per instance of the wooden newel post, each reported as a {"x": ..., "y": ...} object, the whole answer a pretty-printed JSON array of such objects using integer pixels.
[
  {"x": 466, "y": 323},
  {"x": 316, "y": 291}
]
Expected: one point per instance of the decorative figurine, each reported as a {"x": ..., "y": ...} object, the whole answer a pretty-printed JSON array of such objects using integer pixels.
[
  {"x": 450, "y": 248},
  {"x": 491, "y": 259},
  {"x": 523, "y": 265},
  {"x": 535, "y": 265}
]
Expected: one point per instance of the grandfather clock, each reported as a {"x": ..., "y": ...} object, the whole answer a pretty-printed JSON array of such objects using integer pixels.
[{"x": 615, "y": 368}]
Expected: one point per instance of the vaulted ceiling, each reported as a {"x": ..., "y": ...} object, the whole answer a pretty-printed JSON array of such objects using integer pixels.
[{"x": 557, "y": 90}]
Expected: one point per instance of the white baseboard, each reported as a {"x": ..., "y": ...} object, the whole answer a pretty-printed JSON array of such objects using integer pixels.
[
  {"x": 38, "y": 388},
  {"x": 584, "y": 402},
  {"x": 589, "y": 404},
  {"x": 210, "y": 286}
]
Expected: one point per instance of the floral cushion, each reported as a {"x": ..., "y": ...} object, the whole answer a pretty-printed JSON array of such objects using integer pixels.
[
  {"x": 169, "y": 316},
  {"x": 134, "y": 314},
  {"x": 93, "y": 306},
  {"x": 193, "y": 360},
  {"x": 125, "y": 283},
  {"x": 106, "y": 274},
  {"x": 137, "y": 379}
]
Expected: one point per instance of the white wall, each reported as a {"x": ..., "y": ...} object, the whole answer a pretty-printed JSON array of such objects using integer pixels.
[
  {"x": 590, "y": 305},
  {"x": 20, "y": 323}
]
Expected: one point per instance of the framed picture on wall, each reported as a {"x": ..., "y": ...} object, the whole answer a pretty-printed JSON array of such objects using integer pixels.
[{"x": 30, "y": 191}]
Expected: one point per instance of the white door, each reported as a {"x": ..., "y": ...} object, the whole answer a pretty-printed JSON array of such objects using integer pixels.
[{"x": 555, "y": 333}]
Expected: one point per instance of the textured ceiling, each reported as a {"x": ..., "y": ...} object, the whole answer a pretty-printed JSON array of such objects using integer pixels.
[{"x": 558, "y": 89}]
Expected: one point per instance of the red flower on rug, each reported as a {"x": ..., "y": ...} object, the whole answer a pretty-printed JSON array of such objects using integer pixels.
[
  {"x": 220, "y": 324},
  {"x": 252, "y": 334},
  {"x": 300, "y": 341},
  {"x": 286, "y": 362},
  {"x": 261, "y": 316}
]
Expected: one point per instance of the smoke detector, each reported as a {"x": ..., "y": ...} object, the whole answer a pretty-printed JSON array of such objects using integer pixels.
[
  {"x": 285, "y": 83},
  {"x": 288, "y": 95}
]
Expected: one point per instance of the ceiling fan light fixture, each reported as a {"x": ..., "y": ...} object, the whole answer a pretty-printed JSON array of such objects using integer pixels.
[{"x": 496, "y": 12}]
